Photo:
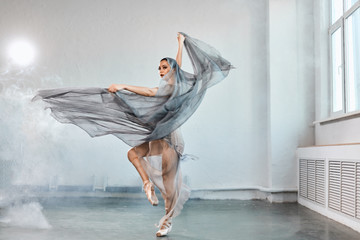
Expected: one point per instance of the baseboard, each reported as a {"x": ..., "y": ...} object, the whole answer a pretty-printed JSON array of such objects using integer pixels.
[
  {"x": 246, "y": 194},
  {"x": 271, "y": 195}
]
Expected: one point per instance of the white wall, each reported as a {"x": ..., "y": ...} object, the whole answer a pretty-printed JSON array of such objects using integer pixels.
[
  {"x": 262, "y": 108},
  {"x": 291, "y": 85}
]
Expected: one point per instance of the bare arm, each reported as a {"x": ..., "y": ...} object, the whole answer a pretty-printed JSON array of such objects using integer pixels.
[
  {"x": 181, "y": 39},
  {"x": 145, "y": 91}
]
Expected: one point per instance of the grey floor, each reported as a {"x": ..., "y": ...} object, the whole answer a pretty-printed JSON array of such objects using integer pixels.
[{"x": 114, "y": 218}]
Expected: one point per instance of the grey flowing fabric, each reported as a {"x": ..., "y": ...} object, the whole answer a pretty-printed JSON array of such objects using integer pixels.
[{"x": 153, "y": 121}]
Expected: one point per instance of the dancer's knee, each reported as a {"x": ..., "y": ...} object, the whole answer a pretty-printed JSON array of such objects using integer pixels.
[{"x": 131, "y": 155}]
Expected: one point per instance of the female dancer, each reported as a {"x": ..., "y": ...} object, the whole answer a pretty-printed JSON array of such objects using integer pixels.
[
  {"x": 148, "y": 119},
  {"x": 162, "y": 148}
]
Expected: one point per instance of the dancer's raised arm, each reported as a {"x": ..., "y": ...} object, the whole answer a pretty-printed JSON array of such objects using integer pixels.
[
  {"x": 163, "y": 70},
  {"x": 181, "y": 39}
]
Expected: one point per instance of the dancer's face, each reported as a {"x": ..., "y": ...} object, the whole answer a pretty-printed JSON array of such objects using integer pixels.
[{"x": 164, "y": 68}]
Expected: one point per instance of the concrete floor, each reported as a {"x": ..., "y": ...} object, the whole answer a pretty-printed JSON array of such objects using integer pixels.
[{"x": 114, "y": 218}]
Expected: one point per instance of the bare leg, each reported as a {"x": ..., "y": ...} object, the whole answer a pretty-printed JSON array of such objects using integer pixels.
[
  {"x": 134, "y": 154},
  {"x": 169, "y": 171},
  {"x": 169, "y": 174},
  {"x": 169, "y": 163}
]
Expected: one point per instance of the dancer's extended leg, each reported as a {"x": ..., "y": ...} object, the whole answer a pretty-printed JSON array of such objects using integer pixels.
[{"x": 134, "y": 156}]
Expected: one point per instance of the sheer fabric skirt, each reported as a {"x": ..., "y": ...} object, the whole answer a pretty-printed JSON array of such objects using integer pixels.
[{"x": 161, "y": 161}]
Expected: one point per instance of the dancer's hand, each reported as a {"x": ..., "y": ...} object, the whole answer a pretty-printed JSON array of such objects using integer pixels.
[
  {"x": 116, "y": 87},
  {"x": 180, "y": 38}
]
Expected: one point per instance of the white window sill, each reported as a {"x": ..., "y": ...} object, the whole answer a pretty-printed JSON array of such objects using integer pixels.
[{"x": 343, "y": 117}]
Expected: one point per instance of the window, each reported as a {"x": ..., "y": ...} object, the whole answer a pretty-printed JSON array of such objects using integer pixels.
[{"x": 344, "y": 35}]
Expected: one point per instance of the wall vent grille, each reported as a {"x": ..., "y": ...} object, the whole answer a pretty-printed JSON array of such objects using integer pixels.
[
  {"x": 344, "y": 187},
  {"x": 303, "y": 178},
  {"x": 312, "y": 180},
  {"x": 337, "y": 182},
  {"x": 358, "y": 190},
  {"x": 320, "y": 182},
  {"x": 334, "y": 185}
]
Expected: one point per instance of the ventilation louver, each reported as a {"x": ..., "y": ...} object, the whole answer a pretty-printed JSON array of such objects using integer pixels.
[
  {"x": 344, "y": 187},
  {"x": 312, "y": 180}
]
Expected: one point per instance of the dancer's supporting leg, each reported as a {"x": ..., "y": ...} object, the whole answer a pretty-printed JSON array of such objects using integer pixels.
[
  {"x": 170, "y": 163},
  {"x": 134, "y": 156}
]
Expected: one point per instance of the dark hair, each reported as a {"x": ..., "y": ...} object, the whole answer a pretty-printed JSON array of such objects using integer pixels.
[{"x": 170, "y": 61}]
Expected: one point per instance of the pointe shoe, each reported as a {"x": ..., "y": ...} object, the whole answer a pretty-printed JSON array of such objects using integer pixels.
[
  {"x": 149, "y": 189},
  {"x": 164, "y": 229}
]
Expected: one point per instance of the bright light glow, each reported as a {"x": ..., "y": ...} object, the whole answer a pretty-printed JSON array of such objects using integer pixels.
[{"x": 22, "y": 52}]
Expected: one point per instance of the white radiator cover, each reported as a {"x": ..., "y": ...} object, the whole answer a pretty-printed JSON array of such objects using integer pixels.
[{"x": 329, "y": 181}]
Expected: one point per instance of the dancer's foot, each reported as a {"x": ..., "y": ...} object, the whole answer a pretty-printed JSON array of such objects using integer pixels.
[
  {"x": 164, "y": 229},
  {"x": 149, "y": 189}
]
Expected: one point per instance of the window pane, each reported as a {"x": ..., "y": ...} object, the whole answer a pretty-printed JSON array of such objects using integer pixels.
[
  {"x": 353, "y": 61},
  {"x": 336, "y": 10},
  {"x": 337, "y": 71},
  {"x": 349, "y": 4}
]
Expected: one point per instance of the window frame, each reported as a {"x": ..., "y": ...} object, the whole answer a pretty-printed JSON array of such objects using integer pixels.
[
  {"x": 340, "y": 23},
  {"x": 336, "y": 26}
]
